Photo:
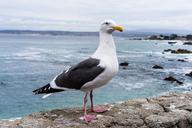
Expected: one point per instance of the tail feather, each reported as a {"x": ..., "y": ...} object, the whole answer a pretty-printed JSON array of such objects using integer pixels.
[{"x": 46, "y": 90}]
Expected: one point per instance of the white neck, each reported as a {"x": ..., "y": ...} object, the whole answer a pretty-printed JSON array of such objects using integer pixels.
[{"x": 106, "y": 46}]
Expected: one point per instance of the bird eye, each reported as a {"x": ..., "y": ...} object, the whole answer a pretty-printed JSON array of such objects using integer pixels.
[{"x": 107, "y": 23}]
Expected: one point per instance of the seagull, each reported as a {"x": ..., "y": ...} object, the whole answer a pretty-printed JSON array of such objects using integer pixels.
[{"x": 91, "y": 73}]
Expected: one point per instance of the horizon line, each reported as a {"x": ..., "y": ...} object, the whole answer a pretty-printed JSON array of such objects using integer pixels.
[{"x": 161, "y": 31}]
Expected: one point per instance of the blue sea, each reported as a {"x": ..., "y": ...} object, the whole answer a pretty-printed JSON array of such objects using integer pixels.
[{"x": 31, "y": 61}]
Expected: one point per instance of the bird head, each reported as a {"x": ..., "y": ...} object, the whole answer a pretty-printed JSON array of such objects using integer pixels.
[{"x": 109, "y": 26}]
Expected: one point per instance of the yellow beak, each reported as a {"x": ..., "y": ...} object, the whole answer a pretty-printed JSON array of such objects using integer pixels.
[{"x": 119, "y": 28}]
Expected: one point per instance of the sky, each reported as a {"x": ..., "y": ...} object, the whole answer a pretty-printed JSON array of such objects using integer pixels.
[{"x": 87, "y": 15}]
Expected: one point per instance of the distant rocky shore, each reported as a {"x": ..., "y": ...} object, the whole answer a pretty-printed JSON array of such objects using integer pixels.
[
  {"x": 170, "y": 37},
  {"x": 168, "y": 111}
]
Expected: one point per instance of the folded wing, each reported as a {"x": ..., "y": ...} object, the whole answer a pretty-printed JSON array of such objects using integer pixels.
[{"x": 80, "y": 74}]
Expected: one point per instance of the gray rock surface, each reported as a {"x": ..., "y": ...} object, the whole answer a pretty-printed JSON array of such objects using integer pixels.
[{"x": 168, "y": 111}]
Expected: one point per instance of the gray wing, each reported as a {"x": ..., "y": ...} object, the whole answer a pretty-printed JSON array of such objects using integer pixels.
[{"x": 79, "y": 74}]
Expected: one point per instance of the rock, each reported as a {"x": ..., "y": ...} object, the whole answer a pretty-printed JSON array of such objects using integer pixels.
[
  {"x": 124, "y": 64},
  {"x": 157, "y": 67},
  {"x": 181, "y": 60},
  {"x": 172, "y": 79},
  {"x": 178, "y": 51},
  {"x": 167, "y": 50},
  {"x": 169, "y": 120},
  {"x": 167, "y": 111},
  {"x": 187, "y": 43},
  {"x": 189, "y": 74},
  {"x": 170, "y": 59},
  {"x": 181, "y": 51},
  {"x": 172, "y": 42},
  {"x": 2, "y": 83}
]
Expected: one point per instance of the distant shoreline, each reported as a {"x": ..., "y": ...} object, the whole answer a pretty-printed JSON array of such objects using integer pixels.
[{"x": 130, "y": 35}]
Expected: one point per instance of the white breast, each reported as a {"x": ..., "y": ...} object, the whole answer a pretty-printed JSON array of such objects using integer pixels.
[
  {"x": 106, "y": 53},
  {"x": 111, "y": 68}
]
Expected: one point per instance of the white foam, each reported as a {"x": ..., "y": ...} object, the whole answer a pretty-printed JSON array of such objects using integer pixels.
[
  {"x": 12, "y": 119},
  {"x": 129, "y": 86},
  {"x": 183, "y": 70},
  {"x": 141, "y": 52},
  {"x": 31, "y": 53},
  {"x": 186, "y": 86},
  {"x": 189, "y": 59},
  {"x": 134, "y": 86}
]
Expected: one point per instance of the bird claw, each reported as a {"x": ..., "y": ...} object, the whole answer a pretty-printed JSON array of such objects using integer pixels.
[{"x": 88, "y": 118}]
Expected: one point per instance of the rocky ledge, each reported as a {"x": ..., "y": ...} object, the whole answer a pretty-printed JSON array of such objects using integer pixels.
[{"x": 168, "y": 111}]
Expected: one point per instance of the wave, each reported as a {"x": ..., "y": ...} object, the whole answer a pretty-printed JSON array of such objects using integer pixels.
[
  {"x": 187, "y": 87},
  {"x": 129, "y": 86},
  {"x": 189, "y": 58},
  {"x": 32, "y": 53},
  {"x": 140, "y": 52},
  {"x": 12, "y": 119},
  {"x": 183, "y": 70}
]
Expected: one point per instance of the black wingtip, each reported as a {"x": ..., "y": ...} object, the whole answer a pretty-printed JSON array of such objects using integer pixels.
[
  {"x": 46, "y": 90},
  {"x": 37, "y": 91}
]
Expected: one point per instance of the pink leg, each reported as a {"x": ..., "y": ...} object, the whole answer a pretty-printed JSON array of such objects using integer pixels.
[
  {"x": 87, "y": 118},
  {"x": 91, "y": 97},
  {"x": 85, "y": 104},
  {"x": 96, "y": 109}
]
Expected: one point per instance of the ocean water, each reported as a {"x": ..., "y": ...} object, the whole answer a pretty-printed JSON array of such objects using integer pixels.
[{"x": 31, "y": 61}]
